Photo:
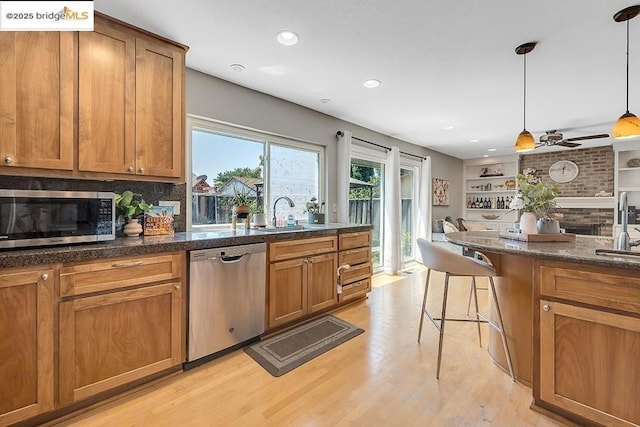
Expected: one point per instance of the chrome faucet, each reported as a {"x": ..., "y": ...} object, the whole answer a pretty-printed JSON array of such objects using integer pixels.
[
  {"x": 291, "y": 204},
  {"x": 624, "y": 241}
]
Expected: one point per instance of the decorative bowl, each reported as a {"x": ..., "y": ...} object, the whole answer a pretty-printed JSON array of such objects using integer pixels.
[
  {"x": 633, "y": 163},
  {"x": 490, "y": 216},
  {"x": 510, "y": 183}
]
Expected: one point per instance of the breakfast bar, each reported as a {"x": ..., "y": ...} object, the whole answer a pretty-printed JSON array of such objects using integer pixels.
[{"x": 572, "y": 319}]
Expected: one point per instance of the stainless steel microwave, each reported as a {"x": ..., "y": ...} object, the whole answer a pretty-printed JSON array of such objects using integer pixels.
[{"x": 37, "y": 217}]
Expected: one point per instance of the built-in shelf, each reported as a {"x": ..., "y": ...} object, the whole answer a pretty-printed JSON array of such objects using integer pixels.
[
  {"x": 629, "y": 169},
  {"x": 628, "y": 188},
  {"x": 493, "y": 192},
  {"x": 479, "y": 178}
]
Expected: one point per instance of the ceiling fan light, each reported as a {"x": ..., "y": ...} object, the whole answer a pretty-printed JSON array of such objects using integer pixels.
[
  {"x": 525, "y": 142},
  {"x": 627, "y": 127}
]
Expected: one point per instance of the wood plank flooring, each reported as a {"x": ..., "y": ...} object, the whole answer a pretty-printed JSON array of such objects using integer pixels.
[{"x": 380, "y": 378}]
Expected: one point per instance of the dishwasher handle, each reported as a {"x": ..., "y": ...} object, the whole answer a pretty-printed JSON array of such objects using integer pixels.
[{"x": 228, "y": 259}]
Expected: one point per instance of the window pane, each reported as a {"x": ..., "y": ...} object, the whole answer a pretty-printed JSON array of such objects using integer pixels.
[
  {"x": 406, "y": 191},
  {"x": 221, "y": 164},
  {"x": 364, "y": 201},
  {"x": 294, "y": 173}
]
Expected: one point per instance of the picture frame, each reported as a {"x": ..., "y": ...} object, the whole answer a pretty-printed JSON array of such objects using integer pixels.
[{"x": 441, "y": 192}]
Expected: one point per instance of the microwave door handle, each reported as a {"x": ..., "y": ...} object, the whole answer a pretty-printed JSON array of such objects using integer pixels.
[{"x": 12, "y": 219}]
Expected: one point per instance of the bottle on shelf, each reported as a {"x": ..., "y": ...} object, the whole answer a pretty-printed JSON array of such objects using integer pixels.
[{"x": 473, "y": 204}]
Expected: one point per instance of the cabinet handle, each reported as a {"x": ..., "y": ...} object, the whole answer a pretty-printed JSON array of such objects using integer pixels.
[
  {"x": 44, "y": 276},
  {"x": 130, "y": 169},
  {"x": 141, "y": 170},
  {"x": 8, "y": 160},
  {"x": 127, "y": 264},
  {"x": 176, "y": 287},
  {"x": 546, "y": 307}
]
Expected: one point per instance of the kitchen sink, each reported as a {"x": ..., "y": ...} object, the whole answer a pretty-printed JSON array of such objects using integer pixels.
[
  {"x": 617, "y": 253},
  {"x": 282, "y": 229}
]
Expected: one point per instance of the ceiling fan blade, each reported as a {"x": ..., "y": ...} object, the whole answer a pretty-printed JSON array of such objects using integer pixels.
[
  {"x": 583, "y": 138},
  {"x": 568, "y": 144}
]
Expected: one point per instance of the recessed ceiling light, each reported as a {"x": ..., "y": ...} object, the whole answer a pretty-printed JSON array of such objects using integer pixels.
[
  {"x": 474, "y": 140},
  {"x": 237, "y": 67},
  {"x": 491, "y": 149},
  {"x": 371, "y": 83},
  {"x": 450, "y": 127},
  {"x": 287, "y": 38},
  {"x": 325, "y": 100},
  {"x": 486, "y": 155}
]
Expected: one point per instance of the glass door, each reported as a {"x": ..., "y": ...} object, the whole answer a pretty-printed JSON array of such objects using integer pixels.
[
  {"x": 365, "y": 202},
  {"x": 407, "y": 194}
]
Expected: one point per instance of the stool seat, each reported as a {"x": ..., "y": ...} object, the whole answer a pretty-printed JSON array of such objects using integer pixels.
[{"x": 440, "y": 259}]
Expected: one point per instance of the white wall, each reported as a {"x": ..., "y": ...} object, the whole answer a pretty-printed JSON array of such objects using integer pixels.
[{"x": 218, "y": 99}]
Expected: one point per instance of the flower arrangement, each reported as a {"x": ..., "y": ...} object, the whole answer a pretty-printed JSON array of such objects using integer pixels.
[
  {"x": 313, "y": 206},
  {"x": 534, "y": 195}
]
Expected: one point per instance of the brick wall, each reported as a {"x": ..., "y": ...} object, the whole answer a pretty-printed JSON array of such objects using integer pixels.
[{"x": 596, "y": 174}]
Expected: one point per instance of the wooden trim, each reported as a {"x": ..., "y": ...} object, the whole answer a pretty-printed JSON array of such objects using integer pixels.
[{"x": 67, "y": 99}]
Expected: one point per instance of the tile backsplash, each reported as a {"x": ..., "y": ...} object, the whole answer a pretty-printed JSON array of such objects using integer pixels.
[{"x": 151, "y": 191}]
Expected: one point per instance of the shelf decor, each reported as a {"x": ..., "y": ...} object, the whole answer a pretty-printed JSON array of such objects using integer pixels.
[{"x": 441, "y": 192}]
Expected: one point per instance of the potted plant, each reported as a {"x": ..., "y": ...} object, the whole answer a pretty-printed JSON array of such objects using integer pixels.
[
  {"x": 131, "y": 207},
  {"x": 259, "y": 217},
  {"x": 241, "y": 202},
  {"x": 314, "y": 211},
  {"x": 537, "y": 200}
]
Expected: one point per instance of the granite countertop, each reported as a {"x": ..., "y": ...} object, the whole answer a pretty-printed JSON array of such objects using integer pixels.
[
  {"x": 582, "y": 251},
  {"x": 128, "y": 246}
]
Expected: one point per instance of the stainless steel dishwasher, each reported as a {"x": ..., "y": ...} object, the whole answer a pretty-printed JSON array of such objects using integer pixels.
[{"x": 226, "y": 297}]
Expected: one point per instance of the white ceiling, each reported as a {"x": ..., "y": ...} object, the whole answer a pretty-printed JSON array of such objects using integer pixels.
[{"x": 442, "y": 63}]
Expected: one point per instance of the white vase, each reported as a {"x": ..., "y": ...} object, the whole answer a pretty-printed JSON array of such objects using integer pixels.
[
  {"x": 528, "y": 223},
  {"x": 132, "y": 228},
  {"x": 259, "y": 219}
]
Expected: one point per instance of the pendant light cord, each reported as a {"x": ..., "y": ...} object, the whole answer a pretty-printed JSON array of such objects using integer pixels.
[
  {"x": 524, "y": 94},
  {"x": 628, "y": 65}
]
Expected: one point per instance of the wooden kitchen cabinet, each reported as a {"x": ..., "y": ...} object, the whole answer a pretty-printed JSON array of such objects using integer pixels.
[
  {"x": 36, "y": 100},
  {"x": 131, "y": 103},
  {"x": 301, "y": 281},
  {"x": 589, "y": 340},
  {"x": 124, "y": 322},
  {"x": 355, "y": 250},
  {"x": 26, "y": 343}
]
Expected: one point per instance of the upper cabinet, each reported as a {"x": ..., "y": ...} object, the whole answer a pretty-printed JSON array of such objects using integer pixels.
[
  {"x": 130, "y": 103},
  {"x": 36, "y": 100},
  {"x": 124, "y": 87}
]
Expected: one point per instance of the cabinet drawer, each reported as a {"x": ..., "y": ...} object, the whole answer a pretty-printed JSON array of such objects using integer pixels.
[
  {"x": 355, "y": 240},
  {"x": 79, "y": 279},
  {"x": 355, "y": 256},
  {"x": 355, "y": 290},
  {"x": 605, "y": 290},
  {"x": 279, "y": 251},
  {"x": 355, "y": 273}
]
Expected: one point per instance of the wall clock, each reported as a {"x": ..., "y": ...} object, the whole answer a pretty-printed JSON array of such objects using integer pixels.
[{"x": 563, "y": 171}]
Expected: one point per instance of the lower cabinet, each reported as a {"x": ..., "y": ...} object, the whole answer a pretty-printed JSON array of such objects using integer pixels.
[
  {"x": 112, "y": 339},
  {"x": 588, "y": 333},
  {"x": 26, "y": 343}
]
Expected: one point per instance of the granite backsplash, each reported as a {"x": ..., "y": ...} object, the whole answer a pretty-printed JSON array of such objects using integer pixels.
[{"x": 151, "y": 191}]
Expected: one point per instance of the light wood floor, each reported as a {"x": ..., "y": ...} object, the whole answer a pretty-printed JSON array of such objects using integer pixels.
[{"x": 380, "y": 378}]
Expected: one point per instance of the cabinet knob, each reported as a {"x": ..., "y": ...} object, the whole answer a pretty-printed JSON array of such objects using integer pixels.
[
  {"x": 546, "y": 307},
  {"x": 44, "y": 276},
  {"x": 8, "y": 160},
  {"x": 130, "y": 169},
  {"x": 141, "y": 170},
  {"x": 176, "y": 287}
]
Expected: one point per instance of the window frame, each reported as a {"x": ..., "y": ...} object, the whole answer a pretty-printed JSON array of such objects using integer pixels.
[{"x": 194, "y": 122}]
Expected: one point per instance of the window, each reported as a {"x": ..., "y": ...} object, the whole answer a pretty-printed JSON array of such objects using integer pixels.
[{"x": 226, "y": 159}]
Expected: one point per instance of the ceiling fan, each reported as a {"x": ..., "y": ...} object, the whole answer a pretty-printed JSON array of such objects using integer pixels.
[{"x": 553, "y": 138}]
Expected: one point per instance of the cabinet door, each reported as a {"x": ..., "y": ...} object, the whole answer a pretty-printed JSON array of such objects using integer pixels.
[
  {"x": 36, "y": 99},
  {"x": 287, "y": 291},
  {"x": 159, "y": 134},
  {"x": 322, "y": 282},
  {"x": 26, "y": 344},
  {"x": 113, "y": 339},
  {"x": 589, "y": 363},
  {"x": 106, "y": 100}
]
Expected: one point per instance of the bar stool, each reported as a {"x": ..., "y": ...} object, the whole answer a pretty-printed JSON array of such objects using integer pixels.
[{"x": 440, "y": 259}]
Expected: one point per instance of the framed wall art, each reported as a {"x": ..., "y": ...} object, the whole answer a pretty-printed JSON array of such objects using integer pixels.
[{"x": 441, "y": 192}]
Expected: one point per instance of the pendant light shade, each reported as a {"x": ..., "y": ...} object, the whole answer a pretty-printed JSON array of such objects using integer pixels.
[
  {"x": 525, "y": 141},
  {"x": 628, "y": 125}
]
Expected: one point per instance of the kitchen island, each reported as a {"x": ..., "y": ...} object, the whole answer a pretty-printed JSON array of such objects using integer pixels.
[{"x": 573, "y": 324}]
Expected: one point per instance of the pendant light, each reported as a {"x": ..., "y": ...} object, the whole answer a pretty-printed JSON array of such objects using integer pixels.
[
  {"x": 525, "y": 140},
  {"x": 628, "y": 125}
]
